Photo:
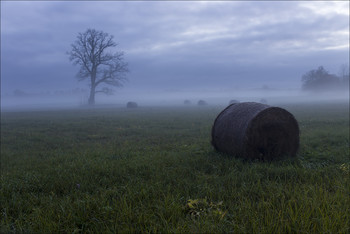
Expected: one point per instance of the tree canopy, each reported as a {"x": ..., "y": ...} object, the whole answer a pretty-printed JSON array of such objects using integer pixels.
[{"x": 321, "y": 80}]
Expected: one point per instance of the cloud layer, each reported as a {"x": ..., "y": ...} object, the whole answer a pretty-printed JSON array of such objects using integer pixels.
[{"x": 176, "y": 45}]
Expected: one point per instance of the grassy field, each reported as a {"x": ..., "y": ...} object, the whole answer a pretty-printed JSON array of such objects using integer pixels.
[{"x": 153, "y": 170}]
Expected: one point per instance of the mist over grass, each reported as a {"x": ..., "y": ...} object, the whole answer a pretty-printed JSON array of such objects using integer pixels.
[{"x": 169, "y": 98}]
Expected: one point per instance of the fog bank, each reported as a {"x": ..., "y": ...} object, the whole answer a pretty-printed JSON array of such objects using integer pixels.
[{"x": 168, "y": 98}]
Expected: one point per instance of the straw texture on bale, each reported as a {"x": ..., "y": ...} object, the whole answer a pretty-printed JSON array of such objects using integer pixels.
[{"x": 256, "y": 131}]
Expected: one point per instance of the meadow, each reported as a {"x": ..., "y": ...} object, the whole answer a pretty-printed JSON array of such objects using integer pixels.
[{"x": 153, "y": 169}]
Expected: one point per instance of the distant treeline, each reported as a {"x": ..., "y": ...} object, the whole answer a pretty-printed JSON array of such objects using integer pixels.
[
  {"x": 21, "y": 93},
  {"x": 321, "y": 80}
]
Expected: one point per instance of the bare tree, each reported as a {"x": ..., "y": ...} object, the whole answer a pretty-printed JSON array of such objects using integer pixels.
[{"x": 91, "y": 51}]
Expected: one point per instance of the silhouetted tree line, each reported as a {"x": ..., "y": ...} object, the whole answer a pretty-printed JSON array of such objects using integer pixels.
[
  {"x": 76, "y": 91},
  {"x": 321, "y": 80}
]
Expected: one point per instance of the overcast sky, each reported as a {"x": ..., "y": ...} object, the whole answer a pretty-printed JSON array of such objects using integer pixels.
[{"x": 177, "y": 45}]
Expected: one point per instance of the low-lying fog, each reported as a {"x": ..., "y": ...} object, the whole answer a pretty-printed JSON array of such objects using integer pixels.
[{"x": 166, "y": 98}]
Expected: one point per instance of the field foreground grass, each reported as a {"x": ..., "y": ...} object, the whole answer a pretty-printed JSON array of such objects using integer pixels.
[{"x": 154, "y": 170}]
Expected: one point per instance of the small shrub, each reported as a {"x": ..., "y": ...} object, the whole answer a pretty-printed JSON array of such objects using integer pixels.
[
  {"x": 202, "y": 103},
  {"x": 131, "y": 105},
  {"x": 187, "y": 102},
  {"x": 263, "y": 101}
]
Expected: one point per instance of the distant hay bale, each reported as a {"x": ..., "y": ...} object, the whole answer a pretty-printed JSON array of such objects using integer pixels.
[
  {"x": 131, "y": 105},
  {"x": 256, "y": 131},
  {"x": 233, "y": 101},
  {"x": 263, "y": 101},
  {"x": 202, "y": 103},
  {"x": 187, "y": 102}
]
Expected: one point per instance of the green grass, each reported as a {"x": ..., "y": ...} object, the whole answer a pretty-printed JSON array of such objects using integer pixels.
[{"x": 154, "y": 170}]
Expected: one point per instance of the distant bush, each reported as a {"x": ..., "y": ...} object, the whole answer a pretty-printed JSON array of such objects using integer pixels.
[
  {"x": 202, "y": 103},
  {"x": 187, "y": 102},
  {"x": 321, "y": 80},
  {"x": 19, "y": 93},
  {"x": 263, "y": 101},
  {"x": 131, "y": 105}
]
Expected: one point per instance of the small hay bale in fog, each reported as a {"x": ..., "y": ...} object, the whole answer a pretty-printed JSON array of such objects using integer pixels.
[
  {"x": 233, "y": 101},
  {"x": 256, "y": 131},
  {"x": 187, "y": 102},
  {"x": 131, "y": 105},
  {"x": 202, "y": 103},
  {"x": 263, "y": 101}
]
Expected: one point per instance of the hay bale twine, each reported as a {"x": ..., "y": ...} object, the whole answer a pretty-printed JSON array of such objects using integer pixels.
[
  {"x": 131, "y": 105},
  {"x": 256, "y": 131},
  {"x": 202, "y": 103}
]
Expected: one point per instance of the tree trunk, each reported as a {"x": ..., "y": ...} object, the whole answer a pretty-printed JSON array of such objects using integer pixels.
[
  {"x": 93, "y": 87},
  {"x": 92, "y": 96}
]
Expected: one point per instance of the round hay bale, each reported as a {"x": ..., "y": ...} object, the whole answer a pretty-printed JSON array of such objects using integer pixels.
[
  {"x": 187, "y": 102},
  {"x": 131, "y": 105},
  {"x": 256, "y": 131},
  {"x": 202, "y": 103},
  {"x": 233, "y": 101}
]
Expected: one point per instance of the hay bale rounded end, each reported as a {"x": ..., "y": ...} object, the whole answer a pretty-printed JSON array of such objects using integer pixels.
[{"x": 256, "y": 131}]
